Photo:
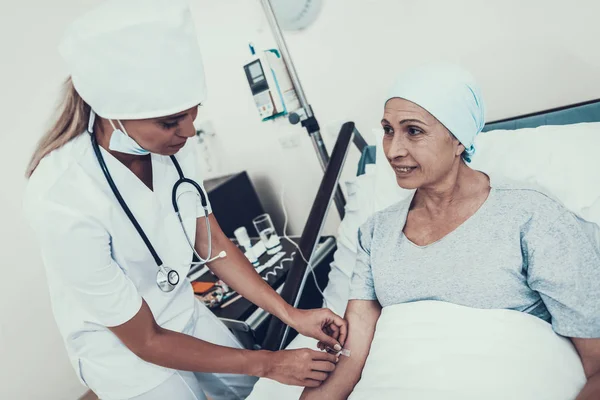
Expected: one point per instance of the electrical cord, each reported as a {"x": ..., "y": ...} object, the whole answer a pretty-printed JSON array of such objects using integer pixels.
[
  {"x": 286, "y": 237},
  {"x": 278, "y": 267}
]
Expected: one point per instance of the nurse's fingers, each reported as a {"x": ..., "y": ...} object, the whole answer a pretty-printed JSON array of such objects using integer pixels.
[
  {"x": 327, "y": 348},
  {"x": 311, "y": 383},
  {"x": 323, "y": 366},
  {"x": 323, "y": 356},
  {"x": 318, "y": 376},
  {"x": 342, "y": 324},
  {"x": 328, "y": 340},
  {"x": 333, "y": 331}
]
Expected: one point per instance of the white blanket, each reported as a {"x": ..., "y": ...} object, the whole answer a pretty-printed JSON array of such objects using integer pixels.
[
  {"x": 267, "y": 389},
  {"x": 433, "y": 350}
]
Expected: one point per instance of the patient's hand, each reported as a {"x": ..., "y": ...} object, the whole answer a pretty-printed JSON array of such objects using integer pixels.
[{"x": 362, "y": 316}]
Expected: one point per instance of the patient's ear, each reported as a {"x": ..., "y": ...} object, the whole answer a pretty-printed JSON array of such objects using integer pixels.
[{"x": 460, "y": 148}]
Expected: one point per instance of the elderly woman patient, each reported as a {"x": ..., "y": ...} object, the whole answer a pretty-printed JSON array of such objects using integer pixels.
[{"x": 465, "y": 237}]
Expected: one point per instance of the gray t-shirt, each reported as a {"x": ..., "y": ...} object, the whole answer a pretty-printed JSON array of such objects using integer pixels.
[{"x": 522, "y": 250}]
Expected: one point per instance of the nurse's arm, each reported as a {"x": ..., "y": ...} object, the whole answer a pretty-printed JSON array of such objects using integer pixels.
[
  {"x": 589, "y": 352},
  {"x": 362, "y": 316},
  {"x": 156, "y": 345},
  {"x": 237, "y": 272}
]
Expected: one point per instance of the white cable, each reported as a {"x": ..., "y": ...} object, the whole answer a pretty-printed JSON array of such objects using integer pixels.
[
  {"x": 278, "y": 267},
  {"x": 285, "y": 236}
]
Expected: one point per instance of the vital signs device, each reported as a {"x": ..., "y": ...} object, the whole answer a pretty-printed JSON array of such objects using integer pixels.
[{"x": 270, "y": 84}]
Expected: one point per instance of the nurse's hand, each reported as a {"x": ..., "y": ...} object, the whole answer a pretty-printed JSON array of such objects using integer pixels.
[
  {"x": 302, "y": 367},
  {"x": 321, "y": 324}
]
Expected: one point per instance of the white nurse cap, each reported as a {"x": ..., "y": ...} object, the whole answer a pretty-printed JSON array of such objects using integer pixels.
[{"x": 136, "y": 59}]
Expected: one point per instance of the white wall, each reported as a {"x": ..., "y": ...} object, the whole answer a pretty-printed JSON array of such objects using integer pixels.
[
  {"x": 528, "y": 55},
  {"x": 33, "y": 361}
]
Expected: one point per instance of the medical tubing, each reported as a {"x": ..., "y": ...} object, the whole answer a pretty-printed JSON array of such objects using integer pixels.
[
  {"x": 278, "y": 267},
  {"x": 286, "y": 237},
  {"x": 112, "y": 185}
]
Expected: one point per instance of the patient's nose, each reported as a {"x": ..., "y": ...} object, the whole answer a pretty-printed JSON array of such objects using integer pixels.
[{"x": 397, "y": 148}]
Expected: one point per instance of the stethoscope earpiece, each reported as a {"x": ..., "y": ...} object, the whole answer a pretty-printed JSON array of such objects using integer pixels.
[{"x": 222, "y": 254}]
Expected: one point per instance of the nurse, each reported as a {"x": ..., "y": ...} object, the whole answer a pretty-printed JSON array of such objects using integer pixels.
[{"x": 99, "y": 198}]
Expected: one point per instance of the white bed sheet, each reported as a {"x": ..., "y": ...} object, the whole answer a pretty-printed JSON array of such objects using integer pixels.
[
  {"x": 267, "y": 389},
  {"x": 431, "y": 350}
]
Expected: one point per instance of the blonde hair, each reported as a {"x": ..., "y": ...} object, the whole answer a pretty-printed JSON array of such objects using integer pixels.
[{"x": 72, "y": 121}]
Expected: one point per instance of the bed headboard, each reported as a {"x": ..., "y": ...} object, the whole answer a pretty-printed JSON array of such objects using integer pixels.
[
  {"x": 573, "y": 114},
  {"x": 588, "y": 111}
]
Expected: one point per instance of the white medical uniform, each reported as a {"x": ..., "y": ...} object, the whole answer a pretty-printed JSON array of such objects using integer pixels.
[{"x": 99, "y": 269}]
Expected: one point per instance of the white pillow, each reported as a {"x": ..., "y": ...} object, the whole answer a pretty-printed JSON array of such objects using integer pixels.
[{"x": 562, "y": 160}]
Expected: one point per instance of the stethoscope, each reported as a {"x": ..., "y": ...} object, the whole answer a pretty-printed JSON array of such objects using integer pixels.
[{"x": 166, "y": 278}]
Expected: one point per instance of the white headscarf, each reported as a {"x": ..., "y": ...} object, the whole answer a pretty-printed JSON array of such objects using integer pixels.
[
  {"x": 136, "y": 59},
  {"x": 450, "y": 94}
]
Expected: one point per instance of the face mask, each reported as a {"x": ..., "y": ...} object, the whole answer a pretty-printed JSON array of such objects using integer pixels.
[{"x": 123, "y": 143}]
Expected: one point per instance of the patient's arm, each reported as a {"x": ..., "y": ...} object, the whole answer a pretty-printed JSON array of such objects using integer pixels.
[
  {"x": 362, "y": 317},
  {"x": 589, "y": 352}
]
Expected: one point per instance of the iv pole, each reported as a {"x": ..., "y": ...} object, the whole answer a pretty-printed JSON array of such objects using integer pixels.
[{"x": 310, "y": 122}]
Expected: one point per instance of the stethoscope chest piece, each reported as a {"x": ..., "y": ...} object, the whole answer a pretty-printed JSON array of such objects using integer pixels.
[{"x": 167, "y": 279}]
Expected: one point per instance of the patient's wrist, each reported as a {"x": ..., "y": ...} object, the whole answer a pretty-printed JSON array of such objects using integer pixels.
[
  {"x": 325, "y": 392},
  {"x": 313, "y": 394}
]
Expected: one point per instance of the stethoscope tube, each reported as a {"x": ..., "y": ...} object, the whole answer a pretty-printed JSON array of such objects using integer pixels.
[
  {"x": 122, "y": 202},
  {"x": 181, "y": 180},
  {"x": 166, "y": 278}
]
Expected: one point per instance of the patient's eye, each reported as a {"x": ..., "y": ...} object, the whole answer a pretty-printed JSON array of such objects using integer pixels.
[
  {"x": 388, "y": 130},
  {"x": 414, "y": 131}
]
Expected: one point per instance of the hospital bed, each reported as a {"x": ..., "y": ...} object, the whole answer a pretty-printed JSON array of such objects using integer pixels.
[{"x": 545, "y": 140}]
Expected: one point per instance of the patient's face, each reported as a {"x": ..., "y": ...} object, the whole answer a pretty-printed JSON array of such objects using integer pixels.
[{"x": 419, "y": 148}]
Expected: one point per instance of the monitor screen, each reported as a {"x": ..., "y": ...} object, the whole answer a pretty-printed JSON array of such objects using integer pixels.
[
  {"x": 256, "y": 71},
  {"x": 256, "y": 77}
]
